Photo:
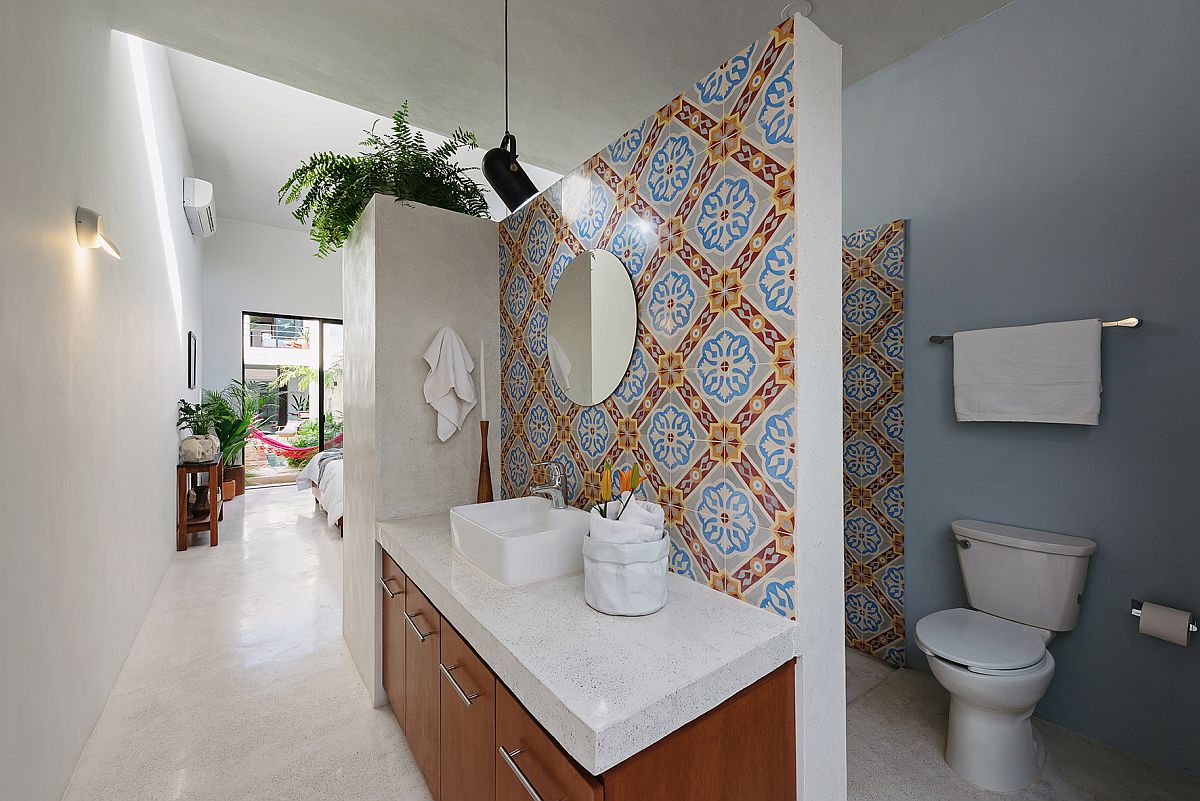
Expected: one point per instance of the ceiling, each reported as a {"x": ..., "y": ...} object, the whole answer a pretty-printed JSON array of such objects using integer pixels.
[
  {"x": 582, "y": 72},
  {"x": 246, "y": 134}
]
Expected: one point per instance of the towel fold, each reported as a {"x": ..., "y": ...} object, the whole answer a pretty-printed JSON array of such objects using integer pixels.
[
  {"x": 642, "y": 521},
  {"x": 449, "y": 388},
  {"x": 1047, "y": 373}
]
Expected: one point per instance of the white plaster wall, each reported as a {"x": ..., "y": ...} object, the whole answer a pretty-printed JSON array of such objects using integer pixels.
[
  {"x": 93, "y": 359},
  {"x": 820, "y": 676},
  {"x": 252, "y": 267},
  {"x": 408, "y": 270},
  {"x": 360, "y": 607}
]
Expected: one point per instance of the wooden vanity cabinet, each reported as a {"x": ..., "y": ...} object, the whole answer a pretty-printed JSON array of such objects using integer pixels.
[
  {"x": 474, "y": 741},
  {"x": 393, "y": 584},
  {"x": 468, "y": 722},
  {"x": 532, "y": 762},
  {"x": 422, "y": 679}
]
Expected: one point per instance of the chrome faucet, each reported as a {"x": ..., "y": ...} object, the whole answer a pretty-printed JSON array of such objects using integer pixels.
[{"x": 555, "y": 488}]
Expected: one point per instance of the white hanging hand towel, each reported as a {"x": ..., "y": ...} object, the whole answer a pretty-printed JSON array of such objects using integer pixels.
[
  {"x": 449, "y": 388},
  {"x": 1047, "y": 373}
]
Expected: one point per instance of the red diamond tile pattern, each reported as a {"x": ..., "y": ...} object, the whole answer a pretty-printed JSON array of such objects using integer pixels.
[
  {"x": 873, "y": 428},
  {"x": 698, "y": 202}
]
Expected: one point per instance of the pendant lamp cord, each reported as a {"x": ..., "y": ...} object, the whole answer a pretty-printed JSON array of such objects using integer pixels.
[{"x": 506, "y": 66}]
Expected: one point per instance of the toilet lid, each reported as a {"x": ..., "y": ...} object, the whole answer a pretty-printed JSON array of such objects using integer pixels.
[{"x": 980, "y": 640}]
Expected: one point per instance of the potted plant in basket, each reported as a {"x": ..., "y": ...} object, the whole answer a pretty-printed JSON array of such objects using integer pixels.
[
  {"x": 333, "y": 189},
  {"x": 235, "y": 413},
  {"x": 201, "y": 445}
]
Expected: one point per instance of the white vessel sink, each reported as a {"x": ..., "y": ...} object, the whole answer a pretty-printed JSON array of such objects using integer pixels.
[{"x": 520, "y": 540}]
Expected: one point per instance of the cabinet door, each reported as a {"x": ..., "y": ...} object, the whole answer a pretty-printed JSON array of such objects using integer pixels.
[
  {"x": 393, "y": 581},
  {"x": 422, "y": 680},
  {"x": 468, "y": 722},
  {"x": 529, "y": 764}
]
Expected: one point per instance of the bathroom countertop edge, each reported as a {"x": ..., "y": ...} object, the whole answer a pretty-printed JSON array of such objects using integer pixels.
[{"x": 600, "y": 707}]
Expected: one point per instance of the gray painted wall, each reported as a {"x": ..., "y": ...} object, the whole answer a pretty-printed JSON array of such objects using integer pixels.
[{"x": 1048, "y": 158}]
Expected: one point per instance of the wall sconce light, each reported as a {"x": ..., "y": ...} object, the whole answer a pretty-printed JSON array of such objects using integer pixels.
[{"x": 89, "y": 230}]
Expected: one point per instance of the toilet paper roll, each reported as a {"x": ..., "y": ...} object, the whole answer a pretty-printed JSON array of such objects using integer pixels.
[{"x": 1165, "y": 623}]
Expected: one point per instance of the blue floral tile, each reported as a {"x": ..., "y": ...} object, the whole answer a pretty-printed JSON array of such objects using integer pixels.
[
  {"x": 763, "y": 461},
  {"x": 595, "y": 433},
  {"x": 672, "y": 303},
  {"x": 589, "y": 208},
  {"x": 635, "y": 243},
  {"x": 672, "y": 436},
  {"x": 637, "y": 382},
  {"x": 539, "y": 428}
]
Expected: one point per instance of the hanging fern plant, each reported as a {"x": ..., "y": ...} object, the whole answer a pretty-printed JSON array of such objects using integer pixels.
[{"x": 333, "y": 189}]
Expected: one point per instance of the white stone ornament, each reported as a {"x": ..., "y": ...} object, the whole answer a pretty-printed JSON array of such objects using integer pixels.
[{"x": 199, "y": 449}]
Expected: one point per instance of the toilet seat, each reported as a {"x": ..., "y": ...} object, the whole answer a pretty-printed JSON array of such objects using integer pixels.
[{"x": 980, "y": 642}]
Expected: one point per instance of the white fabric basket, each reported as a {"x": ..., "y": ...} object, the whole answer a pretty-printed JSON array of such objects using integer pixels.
[{"x": 625, "y": 579}]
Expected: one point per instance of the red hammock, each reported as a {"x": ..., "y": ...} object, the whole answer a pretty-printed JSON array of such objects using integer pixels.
[{"x": 289, "y": 451}]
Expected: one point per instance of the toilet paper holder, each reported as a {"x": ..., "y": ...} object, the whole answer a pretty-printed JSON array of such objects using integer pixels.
[{"x": 1137, "y": 612}]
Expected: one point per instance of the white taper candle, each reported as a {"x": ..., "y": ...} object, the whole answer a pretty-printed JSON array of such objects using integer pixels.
[{"x": 483, "y": 413}]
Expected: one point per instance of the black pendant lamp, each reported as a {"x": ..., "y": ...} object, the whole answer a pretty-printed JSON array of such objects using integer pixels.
[{"x": 500, "y": 165}]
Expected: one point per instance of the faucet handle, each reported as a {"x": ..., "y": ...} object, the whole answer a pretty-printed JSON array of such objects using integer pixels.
[{"x": 554, "y": 468}]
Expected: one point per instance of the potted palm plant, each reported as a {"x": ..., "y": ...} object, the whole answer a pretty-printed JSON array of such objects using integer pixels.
[
  {"x": 235, "y": 413},
  {"x": 332, "y": 189}
]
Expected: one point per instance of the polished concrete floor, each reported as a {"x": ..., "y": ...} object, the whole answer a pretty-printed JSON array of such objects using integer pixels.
[
  {"x": 896, "y": 730},
  {"x": 239, "y": 686}
]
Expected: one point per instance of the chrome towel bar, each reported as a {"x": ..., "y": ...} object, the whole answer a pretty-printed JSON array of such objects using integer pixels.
[{"x": 1128, "y": 322}]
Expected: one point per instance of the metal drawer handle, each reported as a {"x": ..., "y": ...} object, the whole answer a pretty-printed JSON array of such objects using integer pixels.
[
  {"x": 422, "y": 635},
  {"x": 508, "y": 756},
  {"x": 383, "y": 582},
  {"x": 466, "y": 699}
]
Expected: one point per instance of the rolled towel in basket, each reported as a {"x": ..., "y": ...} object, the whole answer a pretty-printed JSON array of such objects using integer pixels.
[{"x": 641, "y": 521}]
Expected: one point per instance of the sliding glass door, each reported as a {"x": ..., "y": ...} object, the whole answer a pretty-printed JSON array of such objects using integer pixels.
[{"x": 297, "y": 362}]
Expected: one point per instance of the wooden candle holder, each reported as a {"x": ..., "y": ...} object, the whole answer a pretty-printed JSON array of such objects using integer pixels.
[{"x": 485, "y": 469}]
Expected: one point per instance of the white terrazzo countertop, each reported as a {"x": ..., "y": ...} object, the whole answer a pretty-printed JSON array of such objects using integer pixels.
[{"x": 604, "y": 687}]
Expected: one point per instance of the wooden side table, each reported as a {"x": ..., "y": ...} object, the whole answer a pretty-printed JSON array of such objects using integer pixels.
[{"x": 187, "y": 524}]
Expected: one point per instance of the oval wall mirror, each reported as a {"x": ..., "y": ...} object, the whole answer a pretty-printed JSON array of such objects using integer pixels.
[{"x": 593, "y": 325}]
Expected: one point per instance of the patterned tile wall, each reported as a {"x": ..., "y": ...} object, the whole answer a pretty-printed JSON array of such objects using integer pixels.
[
  {"x": 697, "y": 201},
  {"x": 873, "y": 427}
]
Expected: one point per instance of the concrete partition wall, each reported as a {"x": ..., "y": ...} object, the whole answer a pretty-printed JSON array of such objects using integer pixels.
[
  {"x": 407, "y": 271},
  {"x": 818, "y": 594}
]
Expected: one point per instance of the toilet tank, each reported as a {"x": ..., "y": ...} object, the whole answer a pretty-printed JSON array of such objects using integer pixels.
[{"x": 1032, "y": 577}]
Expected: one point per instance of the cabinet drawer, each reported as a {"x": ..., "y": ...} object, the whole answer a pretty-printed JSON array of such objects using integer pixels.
[
  {"x": 468, "y": 722},
  {"x": 393, "y": 584},
  {"x": 529, "y": 764},
  {"x": 422, "y": 685}
]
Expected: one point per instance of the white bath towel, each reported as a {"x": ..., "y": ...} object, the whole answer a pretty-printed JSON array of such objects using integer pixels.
[
  {"x": 449, "y": 388},
  {"x": 1047, "y": 373}
]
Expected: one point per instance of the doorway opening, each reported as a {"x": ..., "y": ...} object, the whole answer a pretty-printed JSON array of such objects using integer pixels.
[{"x": 297, "y": 361}]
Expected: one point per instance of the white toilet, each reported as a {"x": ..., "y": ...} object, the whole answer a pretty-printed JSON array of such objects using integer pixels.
[{"x": 1023, "y": 586}]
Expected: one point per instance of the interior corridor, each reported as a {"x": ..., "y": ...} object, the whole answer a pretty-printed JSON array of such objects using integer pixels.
[{"x": 239, "y": 685}]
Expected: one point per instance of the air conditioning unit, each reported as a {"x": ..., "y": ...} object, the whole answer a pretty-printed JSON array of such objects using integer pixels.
[{"x": 199, "y": 207}]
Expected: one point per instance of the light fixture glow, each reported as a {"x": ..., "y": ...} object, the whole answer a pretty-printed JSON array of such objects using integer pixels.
[{"x": 89, "y": 231}]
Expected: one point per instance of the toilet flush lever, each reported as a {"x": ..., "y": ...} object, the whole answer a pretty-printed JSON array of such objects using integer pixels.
[{"x": 964, "y": 544}]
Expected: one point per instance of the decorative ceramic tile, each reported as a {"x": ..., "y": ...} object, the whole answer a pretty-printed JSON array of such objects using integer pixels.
[
  {"x": 699, "y": 205},
  {"x": 873, "y": 459}
]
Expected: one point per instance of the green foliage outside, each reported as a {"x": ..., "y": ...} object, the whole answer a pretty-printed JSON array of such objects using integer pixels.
[
  {"x": 307, "y": 436},
  {"x": 332, "y": 189}
]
